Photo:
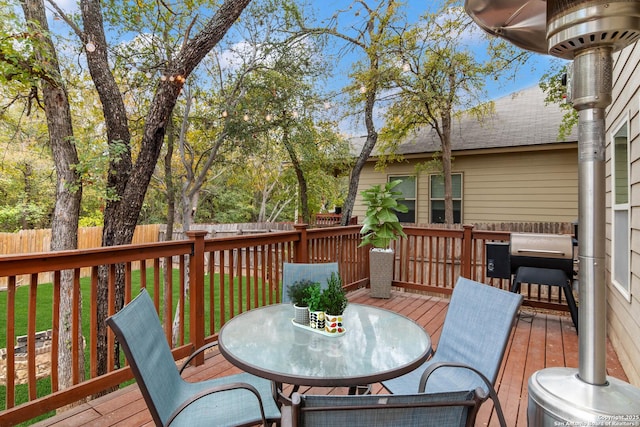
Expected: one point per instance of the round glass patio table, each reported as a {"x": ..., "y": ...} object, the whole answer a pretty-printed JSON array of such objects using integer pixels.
[{"x": 378, "y": 345}]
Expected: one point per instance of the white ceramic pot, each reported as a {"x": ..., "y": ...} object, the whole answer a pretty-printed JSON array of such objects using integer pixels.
[
  {"x": 333, "y": 323},
  {"x": 316, "y": 319}
]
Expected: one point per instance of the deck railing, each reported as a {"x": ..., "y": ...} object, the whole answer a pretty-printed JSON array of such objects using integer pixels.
[{"x": 222, "y": 278}]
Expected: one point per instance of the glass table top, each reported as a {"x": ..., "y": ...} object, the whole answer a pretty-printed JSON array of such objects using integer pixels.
[{"x": 378, "y": 345}]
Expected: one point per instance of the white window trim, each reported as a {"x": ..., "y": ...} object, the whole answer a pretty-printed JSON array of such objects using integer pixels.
[
  {"x": 415, "y": 191},
  {"x": 461, "y": 199},
  {"x": 626, "y": 293}
]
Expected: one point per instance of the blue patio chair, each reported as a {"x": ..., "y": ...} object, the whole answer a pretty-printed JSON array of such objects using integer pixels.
[
  {"x": 453, "y": 409},
  {"x": 293, "y": 272},
  {"x": 471, "y": 346},
  {"x": 316, "y": 273},
  {"x": 241, "y": 399}
]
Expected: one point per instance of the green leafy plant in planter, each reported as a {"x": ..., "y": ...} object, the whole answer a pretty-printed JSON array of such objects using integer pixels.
[
  {"x": 380, "y": 226},
  {"x": 313, "y": 298},
  {"x": 314, "y": 302}
]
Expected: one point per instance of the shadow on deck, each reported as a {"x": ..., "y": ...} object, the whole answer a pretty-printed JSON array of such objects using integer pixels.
[{"x": 539, "y": 340}]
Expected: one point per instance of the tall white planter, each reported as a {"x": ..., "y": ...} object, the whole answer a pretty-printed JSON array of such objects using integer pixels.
[{"x": 381, "y": 272}]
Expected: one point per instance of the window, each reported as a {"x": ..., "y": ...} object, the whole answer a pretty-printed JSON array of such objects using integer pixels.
[
  {"x": 436, "y": 200},
  {"x": 620, "y": 194},
  {"x": 408, "y": 190}
]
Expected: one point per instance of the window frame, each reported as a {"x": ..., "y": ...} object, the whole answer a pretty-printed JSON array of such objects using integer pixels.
[
  {"x": 460, "y": 199},
  {"x": 620, "y": 208},
  {"x": 414, "y": 198}
]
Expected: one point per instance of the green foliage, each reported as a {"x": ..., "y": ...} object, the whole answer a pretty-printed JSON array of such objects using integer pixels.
[
  {"x": 314, "y": 298},
  {"x": 551, "y": 84},
  {"x": 10, "y": 219},
  {"x": 438, "y": 75},
  {"x": 434, "y": 77},
  {"x": 223, "y": 203},
  {"x": 270, "y": 76},
  {"x": 23, "y": 216},
  {"x": 432, "y": 165},
  {"x": 17, "y": 50},
  {"x": 27, "y": 186},
  {"x": 300, "y": 291},
  {"x": 93, "y": 219},
  {"x": 334, "y": 298},
  {"x": 381, "y": 224}
]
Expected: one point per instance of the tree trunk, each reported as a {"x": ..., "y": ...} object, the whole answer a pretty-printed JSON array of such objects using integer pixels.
[
  {"x": 129, "y": 182},
  {"x": 302, "y": 181},
  {"x": 27, "y": 172},
  {"x": 64, "y": 227},
  {"x": 446, "y": 168},
  {"x": 171, "y": 214},
  {"x": 120, "y": 163},
  {"x": 265, "y": 194},
  {"x": 354, "y": 179},
  {"x": 168, "y": 179},
  {"x": 367, "y": 148}
]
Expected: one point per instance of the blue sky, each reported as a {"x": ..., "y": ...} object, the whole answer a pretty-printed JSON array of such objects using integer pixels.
[{"x": 527, "y": 76}]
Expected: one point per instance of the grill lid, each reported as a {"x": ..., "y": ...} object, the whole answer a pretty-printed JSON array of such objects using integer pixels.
[{"x": 542, "y": 245}]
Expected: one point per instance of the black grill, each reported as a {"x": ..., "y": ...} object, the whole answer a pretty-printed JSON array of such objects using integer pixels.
[{"x": 543, "y": 259}]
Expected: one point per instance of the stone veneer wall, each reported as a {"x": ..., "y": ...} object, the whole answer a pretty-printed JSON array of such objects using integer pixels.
[{"x": 43, "y": 358}]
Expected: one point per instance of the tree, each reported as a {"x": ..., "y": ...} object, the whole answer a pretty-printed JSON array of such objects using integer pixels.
[
  {"x": 369, "y": 37},
  {"x": 280, "y": 105},
  {"x": 29, "y": 59},
  {"x": 436, "y": 76},
  {"x": 217, "y": 126},
  {"x": 127, "y": 180}
]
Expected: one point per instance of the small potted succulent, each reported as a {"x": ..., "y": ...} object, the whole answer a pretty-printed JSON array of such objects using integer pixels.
[
  {"x": 334, "y": 302},
  {"x": 381, "y": 225},
  {"x": 299, "y": 293}
]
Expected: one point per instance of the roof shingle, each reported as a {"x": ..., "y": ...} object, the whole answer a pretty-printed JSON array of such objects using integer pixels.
[{"x": 519, "y": 119}]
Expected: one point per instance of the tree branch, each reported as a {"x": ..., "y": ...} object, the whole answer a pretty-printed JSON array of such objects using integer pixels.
[{"x": 66, "y": 19}]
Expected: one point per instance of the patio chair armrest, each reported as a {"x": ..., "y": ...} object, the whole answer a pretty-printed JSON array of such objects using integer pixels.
[
  {"x": 218, "y": 389},
  {"x": 197, "y": 352},
  {"x": 493, "y": 395}
]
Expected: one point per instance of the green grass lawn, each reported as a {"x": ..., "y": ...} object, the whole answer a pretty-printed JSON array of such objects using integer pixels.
[{"x": 44, "y": 319}]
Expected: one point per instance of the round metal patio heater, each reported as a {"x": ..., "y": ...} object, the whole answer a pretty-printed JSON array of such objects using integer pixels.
[{"x": 587, "y": 32}]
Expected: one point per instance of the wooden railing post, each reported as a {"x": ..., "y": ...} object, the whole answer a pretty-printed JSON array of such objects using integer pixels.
[
  {"x": 301, "y": 247},
  {"x": 467, "y": 249},
  {"x": 196, "y": 292}
]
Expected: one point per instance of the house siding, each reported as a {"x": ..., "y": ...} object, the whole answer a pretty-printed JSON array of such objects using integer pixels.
[
  {"x": 623, "y": 314},
  {"x": 514, "y": 186},
  {"x": 533, "y": 186}
]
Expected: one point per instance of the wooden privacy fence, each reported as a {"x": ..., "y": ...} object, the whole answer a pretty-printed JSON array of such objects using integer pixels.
[
  {"x": 222, "y": 278},
  {"x": 39, "y": 241},
  {"x": 29, "y": 241}
]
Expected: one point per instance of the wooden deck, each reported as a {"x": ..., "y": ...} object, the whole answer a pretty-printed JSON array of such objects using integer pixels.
[{"x": 539, "y": 340}]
